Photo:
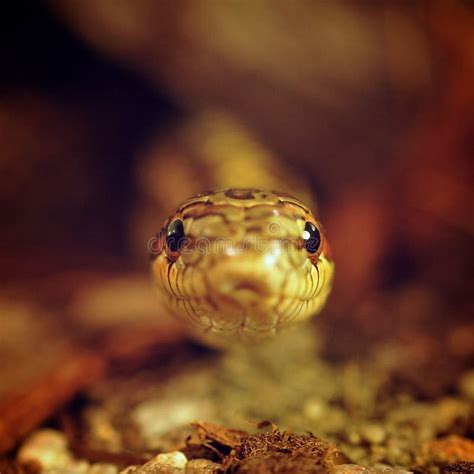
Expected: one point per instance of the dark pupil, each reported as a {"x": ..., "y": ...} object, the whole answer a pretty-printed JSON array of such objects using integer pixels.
[
  {"x": 312, "y": 237},
  {"x": 175, "y": 235}
]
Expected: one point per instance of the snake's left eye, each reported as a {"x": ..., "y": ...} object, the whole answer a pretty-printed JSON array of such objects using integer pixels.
[
  {"x": 311, "y": 237},
  {"x": 175, "y": 237}
]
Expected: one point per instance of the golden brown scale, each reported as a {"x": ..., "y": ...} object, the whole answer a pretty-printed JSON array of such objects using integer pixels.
[{"x": 242, "y": 264}]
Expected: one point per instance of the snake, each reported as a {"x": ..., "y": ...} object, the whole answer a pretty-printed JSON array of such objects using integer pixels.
[{"x": 240, "y": 264}]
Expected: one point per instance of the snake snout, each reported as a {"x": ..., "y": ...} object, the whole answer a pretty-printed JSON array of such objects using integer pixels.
[
  {"x": 242, "y": 291},
  {"x": 240, "y": 284}
]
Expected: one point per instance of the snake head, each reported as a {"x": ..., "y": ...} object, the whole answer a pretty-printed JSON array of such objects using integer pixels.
[{"x": 242, "y": 264}]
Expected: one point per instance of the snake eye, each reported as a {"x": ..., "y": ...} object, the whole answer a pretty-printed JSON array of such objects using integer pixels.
[
  {"x": 311, "y": 237},
  {"x": 175, "y": 238}
]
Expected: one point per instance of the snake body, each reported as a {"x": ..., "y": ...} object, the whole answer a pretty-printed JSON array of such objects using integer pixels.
[{"x": 242, "y": 263}]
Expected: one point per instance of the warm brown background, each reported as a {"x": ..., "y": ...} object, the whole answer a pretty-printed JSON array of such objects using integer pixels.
[{"x": 373, "y": 101}]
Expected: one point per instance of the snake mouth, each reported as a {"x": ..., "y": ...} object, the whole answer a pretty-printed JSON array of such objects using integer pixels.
[{"x": 245, "y": 310}]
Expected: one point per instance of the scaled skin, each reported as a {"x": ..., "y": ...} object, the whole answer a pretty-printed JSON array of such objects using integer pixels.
[{"x": 242, "y": 272}]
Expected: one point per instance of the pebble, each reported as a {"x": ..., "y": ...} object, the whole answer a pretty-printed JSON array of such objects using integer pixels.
[
  {"x": 314, "y": 409},
  {"x": 175, "y": 459},
  {"x": 202, "y": 466},
  {"x": 373, "y": 433},
  {"x": 46, "y": 447},
  {"x": 466, "y": 385},
  {"x": 165, "y": 463},
  {"x": 49, "y": 449},
  {"x": 353, "y": 437},
  {"x": 449, "y": 410},
  {"x": 156, "y": 417}
]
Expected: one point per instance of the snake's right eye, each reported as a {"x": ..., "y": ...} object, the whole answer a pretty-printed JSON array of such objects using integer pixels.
[{"x": 175, "y": 237}]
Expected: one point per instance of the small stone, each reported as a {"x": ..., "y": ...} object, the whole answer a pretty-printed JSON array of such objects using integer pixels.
[
  {"x": 373, "y": 433},
  {"x": 49, "y": 449},
  {"x": 449, "y": 410},
  {"x": 165, "y": 463},
  {"x": 314, "y": 409},
  {"x": 353, "y": 437},
  {"x": 394, "y": 451},
  {"x": 202, "y": 466},
  {"x": 155, "y": 417},
  {"x": 46, "y": 447},
  {"x": 466, "y": 385},
  {"x": 175, "y": 459}
]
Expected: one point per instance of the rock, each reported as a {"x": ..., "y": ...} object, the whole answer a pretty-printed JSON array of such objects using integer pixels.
[
  {"x": 466, "y": 385},
  {"x": 374, "y": 434},
  {"x": 353, "y": 437},
  {"x": 202, "y": 466},
  {"x": 155, "y": 417},
  {"x": 315, "y": 409},
  {"x": 450, "y": 410},
  {"x": 46, "y": 447},
  {"x": 49, "y": 449},
  {"x": 165, "y": 463},
  {"x": 175, "y": 459}
]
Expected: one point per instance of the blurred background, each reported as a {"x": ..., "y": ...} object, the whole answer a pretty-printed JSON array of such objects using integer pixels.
[{"x": 371, "y": 102}]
